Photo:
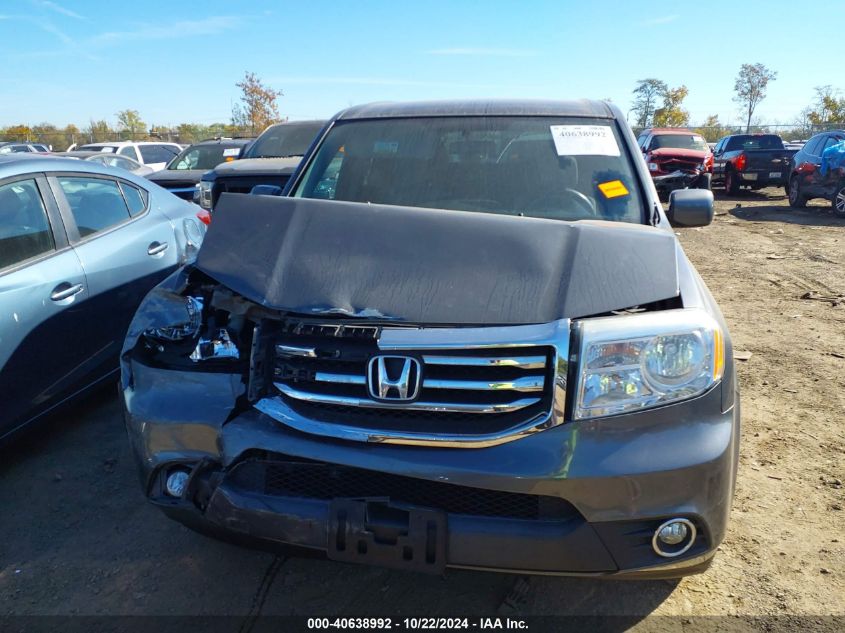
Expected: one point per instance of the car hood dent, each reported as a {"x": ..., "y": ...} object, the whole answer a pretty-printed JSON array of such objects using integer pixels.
[
  {"x": 678, "y": 152},
  {"x": 432, "y": 266}
]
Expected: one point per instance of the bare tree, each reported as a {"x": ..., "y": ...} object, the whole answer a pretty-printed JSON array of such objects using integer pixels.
[
  {"x": 750, "y": 88},
  {"x": 646, "y": 95}
]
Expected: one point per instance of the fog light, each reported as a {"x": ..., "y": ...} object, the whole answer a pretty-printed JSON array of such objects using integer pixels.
[
  {"x": 176, "y": 482},
  {"x": 673, "y": 538}
]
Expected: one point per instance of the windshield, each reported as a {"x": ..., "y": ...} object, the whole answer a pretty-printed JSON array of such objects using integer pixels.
[
  {"x": 286, "y": 139},
  {"x": 680, "y": 141},
  {"x": 754, "y": 141},
  {"x": 205, "y": 156},
  {"x": 564, "y": 168}
]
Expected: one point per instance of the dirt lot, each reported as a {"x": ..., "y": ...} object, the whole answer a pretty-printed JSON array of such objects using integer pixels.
[{"x": 79, "y": 539}]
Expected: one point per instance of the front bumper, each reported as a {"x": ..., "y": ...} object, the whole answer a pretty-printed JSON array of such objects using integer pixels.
[
  {"x": 615, "y": 479},
  {"x": 764, "y": 178},
  {"x": 666, "y": 183}
]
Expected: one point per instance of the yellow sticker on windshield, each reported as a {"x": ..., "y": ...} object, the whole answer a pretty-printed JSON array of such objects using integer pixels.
[{"x": 613, "y": 189}]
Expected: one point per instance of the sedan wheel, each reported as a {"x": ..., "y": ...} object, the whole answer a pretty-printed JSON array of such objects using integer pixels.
[
  {"x": 796, "y": 199},
  {"x": 839, "y": 201}
]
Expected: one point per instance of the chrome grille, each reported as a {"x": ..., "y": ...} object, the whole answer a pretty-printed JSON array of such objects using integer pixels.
[
  {"x": 675, "y": 164},
  {"x": 468, "y": 383},
  {"x": 488, "y": 381}
]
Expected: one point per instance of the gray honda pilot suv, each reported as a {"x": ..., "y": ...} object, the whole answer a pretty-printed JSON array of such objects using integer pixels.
[{"x": 467, "y": 336}]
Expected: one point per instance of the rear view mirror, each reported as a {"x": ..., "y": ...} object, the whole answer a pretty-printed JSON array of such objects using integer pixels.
[{"x": 690, "y": 207}]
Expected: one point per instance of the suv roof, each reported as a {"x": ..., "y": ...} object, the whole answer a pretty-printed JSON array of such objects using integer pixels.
[
  {"x": 479, "y": 107},
  {"x": 669, "y": 130}
]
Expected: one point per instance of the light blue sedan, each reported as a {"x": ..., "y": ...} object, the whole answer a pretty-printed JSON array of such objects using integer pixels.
[{"x": 80, "y": 245}]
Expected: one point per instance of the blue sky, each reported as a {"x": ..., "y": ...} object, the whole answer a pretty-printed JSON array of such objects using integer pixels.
[{"x": 67, "y": 61}]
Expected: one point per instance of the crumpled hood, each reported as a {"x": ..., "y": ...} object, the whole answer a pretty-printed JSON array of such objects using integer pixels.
[
  {"x": 678, "y": 152},
  {"x": 258, "y": 166},
  {"x": 432, "y": 266}
]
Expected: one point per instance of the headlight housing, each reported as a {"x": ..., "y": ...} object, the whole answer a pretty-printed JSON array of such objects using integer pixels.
[
  {"x": 633, "y": 362},
  {"x": 205, "y": 188},
  {"x": 185, "y": 328}
]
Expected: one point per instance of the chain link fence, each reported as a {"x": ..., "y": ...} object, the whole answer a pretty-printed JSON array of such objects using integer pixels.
[
  {"x": 60, "y": 140},
  {"x": 788, "y": 131}
]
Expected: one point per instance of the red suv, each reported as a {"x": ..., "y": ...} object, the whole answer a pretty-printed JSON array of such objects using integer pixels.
[{"x": 677, "y": 158}]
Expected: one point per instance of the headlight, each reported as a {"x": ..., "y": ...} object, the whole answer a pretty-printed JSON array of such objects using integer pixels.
[
  {"x": 205, "y": 187},
  {"x": 185, "y": 328},
  {"x": 652, "y": 167},
  {"x": 633, "y": 362}
]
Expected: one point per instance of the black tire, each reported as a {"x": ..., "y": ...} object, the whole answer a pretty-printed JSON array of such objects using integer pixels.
[
  {"x": 838, "y": 201},
  {"x": 704, "y": 181},
  {"x": 796, "y": 198},
  {"x": 731, "y": 183}
]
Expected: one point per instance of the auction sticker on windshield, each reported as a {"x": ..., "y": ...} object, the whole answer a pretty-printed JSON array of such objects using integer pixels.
[{"x": 584, "y": 140}]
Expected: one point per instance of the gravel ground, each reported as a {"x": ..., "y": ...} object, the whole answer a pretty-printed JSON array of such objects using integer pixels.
[{"x": 79, "y": 538}]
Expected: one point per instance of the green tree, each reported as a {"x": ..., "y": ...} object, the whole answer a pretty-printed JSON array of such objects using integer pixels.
[
  {"x": 646, "y": 96},
  {"x": 671, "y": 113},
  {"x": 750, "y": 88},
  {"x": 258, "y": 107},
  {"x": 99, "y": 131},
  {"x": 71, "y": 135},
  {"x": 21, "y": 132},
  {"x": 49, "y": 134},
  {"x": 190, "y": 132},
  {"x": 829, "y": 108},
  {"x": 712, "y": 129},
  {"x": 130, "y": 124}
]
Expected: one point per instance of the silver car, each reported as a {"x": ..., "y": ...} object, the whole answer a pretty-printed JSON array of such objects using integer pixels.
[{"x": 81, "y": 244}]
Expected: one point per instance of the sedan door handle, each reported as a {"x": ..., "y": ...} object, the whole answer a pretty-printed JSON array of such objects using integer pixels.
[
  {"x": 156, "y": 248},
  {"x": 65, "y": 291}
]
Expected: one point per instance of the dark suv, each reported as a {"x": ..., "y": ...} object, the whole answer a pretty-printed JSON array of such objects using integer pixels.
[
  {"x": 467, "y": 336},
  {"x": 806, "y": 177},
  {"x": 183, "y": 173},
  {"x": 270, "y": 160}
]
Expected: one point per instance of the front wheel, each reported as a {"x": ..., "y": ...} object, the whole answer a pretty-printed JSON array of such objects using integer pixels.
[
  {"x": 731, "y": 183},
  {"x": 796, "y": 198},
  {"x": 839, "y": 200},
  {"x": 704, "y": 181}
]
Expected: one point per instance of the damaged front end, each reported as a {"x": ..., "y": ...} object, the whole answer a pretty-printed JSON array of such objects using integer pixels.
[
  {"x": 681, "y": 179},
  {"x": 275, "y": 395}
]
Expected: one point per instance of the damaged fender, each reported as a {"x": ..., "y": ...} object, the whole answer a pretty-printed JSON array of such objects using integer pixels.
[{"x": 172, "y": 415}]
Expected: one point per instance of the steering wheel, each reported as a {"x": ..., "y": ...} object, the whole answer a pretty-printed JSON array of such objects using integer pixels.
[{"x": 553, "y": 206}]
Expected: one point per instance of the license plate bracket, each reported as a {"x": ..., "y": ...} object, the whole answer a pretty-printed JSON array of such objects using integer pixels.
[{"x": 378, "y": 532}]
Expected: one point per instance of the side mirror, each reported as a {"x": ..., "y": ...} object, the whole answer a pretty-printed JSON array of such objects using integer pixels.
[
  {"x": 266, "y": 190},
  {"x": 690, "y": 207}
]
